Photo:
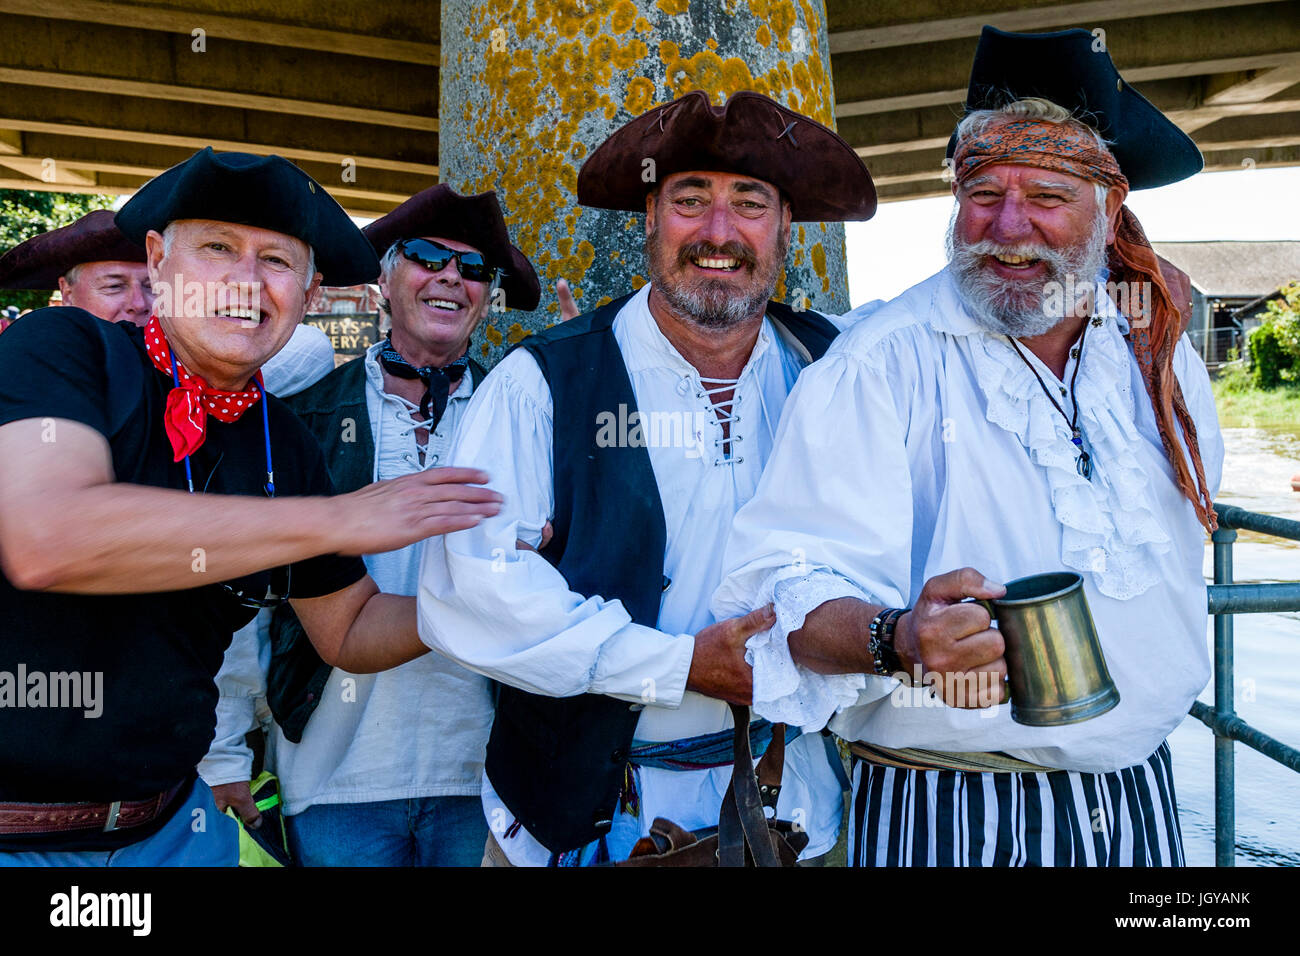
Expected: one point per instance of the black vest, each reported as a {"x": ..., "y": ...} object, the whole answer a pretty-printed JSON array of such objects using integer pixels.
[
  {"x": 557, "y": 762},
  {"x": 334, "y": 410}
]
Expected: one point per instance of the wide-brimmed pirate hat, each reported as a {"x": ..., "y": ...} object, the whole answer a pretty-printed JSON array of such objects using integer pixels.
[
  {"x": 750, "y": 135},
  {"x": 268, "y": 192},
  {"x": 41, "y": 260},
  {"x": 474, "y": 220},
  {"x": 1072, "y": 69}
]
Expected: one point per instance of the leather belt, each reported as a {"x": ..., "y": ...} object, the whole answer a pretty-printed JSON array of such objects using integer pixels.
[
  {"x": 34, "y": 818},
  {"x": 911, "y": 758}
]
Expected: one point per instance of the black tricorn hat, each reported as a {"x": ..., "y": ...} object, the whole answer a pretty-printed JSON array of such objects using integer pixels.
[
  {"x": 41, "y": 260},
  {"x": 1073, "y": 69},
  {"x": 264, "y": 191},
  {"x": 750, "y": 135},
  {"x": 474, "y": 220}
]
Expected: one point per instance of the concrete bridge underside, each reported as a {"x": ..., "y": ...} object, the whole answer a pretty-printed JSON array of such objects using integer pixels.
[{"x": 98, "y": 97}]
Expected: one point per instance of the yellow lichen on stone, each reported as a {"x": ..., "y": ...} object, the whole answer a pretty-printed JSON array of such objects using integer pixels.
[
  {"x": 569, "y": 64},
  {"x": 516, "y": 334},
  {"x": 638, "y": 281},
  {"x": 623, "y": 17},
  {"x": 818, "y": 254},
  {"x": 640, "y": 95}
]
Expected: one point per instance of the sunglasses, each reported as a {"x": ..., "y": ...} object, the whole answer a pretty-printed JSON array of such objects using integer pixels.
[
  {"x": 434, "y": 257},
  {"x": 277, "y": 591}
]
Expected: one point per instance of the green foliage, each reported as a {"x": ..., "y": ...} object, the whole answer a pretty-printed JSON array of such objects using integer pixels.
[
  {"x": 1270, "y": 363},
  {"x": 25, "y": 213},
  {"x": 1275, "y": 345},
  {"x": 1235, "y": 376}
]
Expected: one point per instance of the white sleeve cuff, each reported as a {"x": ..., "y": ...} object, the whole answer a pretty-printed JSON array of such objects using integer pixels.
[
  {"x": 783, "y": 690},
  {"x": 229, "y": 758}
]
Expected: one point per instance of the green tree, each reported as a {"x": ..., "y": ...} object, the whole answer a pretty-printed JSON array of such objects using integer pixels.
[
  {"x": 26, "y": 213},
  {"x": 1275, "y": 345}
]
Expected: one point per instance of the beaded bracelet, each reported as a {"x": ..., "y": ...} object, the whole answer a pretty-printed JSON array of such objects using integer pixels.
[{"x": 881, "y": 644}]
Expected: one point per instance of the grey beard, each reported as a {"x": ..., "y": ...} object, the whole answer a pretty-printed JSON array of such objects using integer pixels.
[
  {"x": 710, "y": 305},
  {"x": 1022, "y": 310}
]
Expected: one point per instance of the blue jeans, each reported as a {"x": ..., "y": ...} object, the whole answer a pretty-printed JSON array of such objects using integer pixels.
[
  {"x": 428, "y": 831},
  {"x": 196, "y": 835}
]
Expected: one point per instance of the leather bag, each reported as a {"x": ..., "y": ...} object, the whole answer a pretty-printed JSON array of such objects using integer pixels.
[{"x": 744, "y": 836}]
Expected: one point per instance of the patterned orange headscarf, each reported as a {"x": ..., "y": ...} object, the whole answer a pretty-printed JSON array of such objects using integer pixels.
[{"x": 1154, "y": 326}]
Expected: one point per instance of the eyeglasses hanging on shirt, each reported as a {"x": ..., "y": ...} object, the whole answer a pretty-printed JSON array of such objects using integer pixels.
[{"x": 1084, "y": 461}]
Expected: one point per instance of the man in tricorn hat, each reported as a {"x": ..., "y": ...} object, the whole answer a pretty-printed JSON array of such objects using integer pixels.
[
  {"x": 98, "y": 269},
  {"x": 1031, "y": 408},
  {"x": 152, "y": 496},
  {"x": 90, "y": 262},
  {"x": 358, "y": 792},
  {"x": 636, "y": 431}
]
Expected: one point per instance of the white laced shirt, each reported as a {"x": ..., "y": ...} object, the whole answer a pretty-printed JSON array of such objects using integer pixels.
[
  {"x": 921, "y": 444},
  {"x": 417, "y": 730},
  {"x": 509, "y": 614}
]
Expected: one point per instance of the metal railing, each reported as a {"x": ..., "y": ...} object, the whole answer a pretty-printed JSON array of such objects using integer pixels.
[{"x": 1225, "y": 600}]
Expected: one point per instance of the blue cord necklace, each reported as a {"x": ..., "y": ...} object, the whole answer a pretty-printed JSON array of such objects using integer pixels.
[{"x": 269, "y": 487}]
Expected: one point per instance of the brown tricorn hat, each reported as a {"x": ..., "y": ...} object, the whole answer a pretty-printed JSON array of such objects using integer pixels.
[
  {"x": 751, "y": 135},
  {"x": 41, "y": 260},
  {"x": 474, "y": 220}
]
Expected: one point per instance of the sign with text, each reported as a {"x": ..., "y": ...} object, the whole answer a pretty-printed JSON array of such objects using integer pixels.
[{"x": 349, "y": 334}]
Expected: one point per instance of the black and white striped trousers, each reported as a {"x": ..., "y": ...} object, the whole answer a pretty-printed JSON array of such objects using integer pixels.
[{"x": 1060, "y": 818}]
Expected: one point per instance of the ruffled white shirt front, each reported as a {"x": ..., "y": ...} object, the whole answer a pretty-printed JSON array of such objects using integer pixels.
[{"x": 922, "y": 443}]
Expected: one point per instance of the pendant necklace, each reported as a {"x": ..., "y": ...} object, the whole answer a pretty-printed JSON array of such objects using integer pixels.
[{"x": 1084, "y": 462}]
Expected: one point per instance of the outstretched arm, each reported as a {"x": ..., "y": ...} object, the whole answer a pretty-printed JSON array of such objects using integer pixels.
[{"x": 66, "y": 525}]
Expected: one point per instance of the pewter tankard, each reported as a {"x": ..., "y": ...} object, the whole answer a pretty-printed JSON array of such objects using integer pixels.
[{"x": 1054, "y": 661}]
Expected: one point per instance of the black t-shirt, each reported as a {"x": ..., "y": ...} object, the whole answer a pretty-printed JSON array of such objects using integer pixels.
[{"x": 158, "y": 652}]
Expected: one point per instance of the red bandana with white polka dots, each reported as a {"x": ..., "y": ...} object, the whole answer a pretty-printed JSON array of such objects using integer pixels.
[{"x": 189, "y": 404}]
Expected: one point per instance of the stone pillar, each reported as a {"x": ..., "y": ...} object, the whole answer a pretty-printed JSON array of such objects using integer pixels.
[{"x": 531, "y": 87}]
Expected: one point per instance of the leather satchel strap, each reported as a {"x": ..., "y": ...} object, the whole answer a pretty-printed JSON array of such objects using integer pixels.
[
  {"x": 770, "y": 767},
  {"x": 742, "y": 822}
]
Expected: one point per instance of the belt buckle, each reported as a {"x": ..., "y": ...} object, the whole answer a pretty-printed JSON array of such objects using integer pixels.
[{"x": 111, "y": 823}]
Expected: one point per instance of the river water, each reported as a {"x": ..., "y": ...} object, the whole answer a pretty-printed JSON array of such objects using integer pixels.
[{"x": 1257, "y": 476}]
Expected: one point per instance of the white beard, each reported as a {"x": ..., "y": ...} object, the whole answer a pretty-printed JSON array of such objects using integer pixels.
[{"x": 1020, "y": 309}]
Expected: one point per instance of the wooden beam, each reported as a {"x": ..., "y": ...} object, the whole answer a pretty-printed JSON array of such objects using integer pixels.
[
  {"x": 146, "y": 63},
  {"x": 1194, "y": 119},
  {"x": 1029, "y": 19},
  {"x": 1250, "y": 132},
  {"x": 98, "y": 116},
  {"x": 1257, "y": 86},
  {"x": 1259, "y": 36},
  {"x": 146, "y": 160},
  {"x": 184, "y": 94},
  {"x": 252, "y": 29},
  {"x": 44, "y": 170},
  {"x": 1246, "y": 160}
]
